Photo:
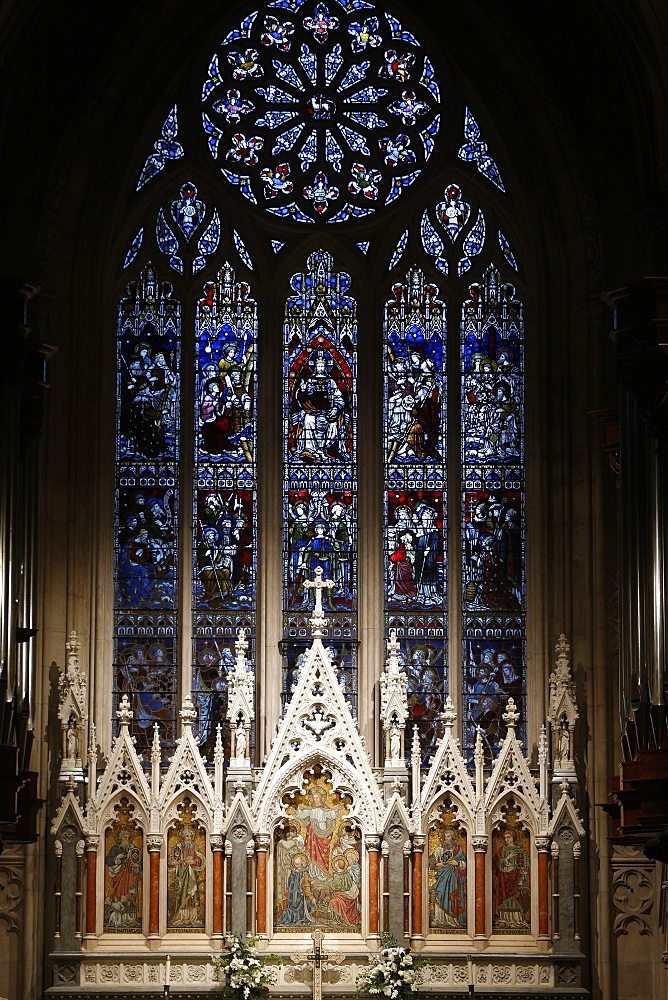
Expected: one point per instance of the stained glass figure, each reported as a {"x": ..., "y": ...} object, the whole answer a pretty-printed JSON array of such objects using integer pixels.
[
  {"x": 320, "y": 484},
  {"x": 225, "y": 489},
  {"x": 292, "y": 108},
  {"x": 493, "y": 560},
  {"x": 453, "y": 211},
  {"x": 415, "y": 492},
  {"x": 447, "y": 878},
  {"x": 145, "y": 550},
  {"x": 475, "y": 150},
  {"x": 166, "y": 148},
  {"x": 188, "y": 210}
]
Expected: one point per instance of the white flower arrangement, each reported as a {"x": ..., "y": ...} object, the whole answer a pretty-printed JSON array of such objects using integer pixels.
[
  {"x": 242, "y": 974},
  {"x": 392, "y": 973}
]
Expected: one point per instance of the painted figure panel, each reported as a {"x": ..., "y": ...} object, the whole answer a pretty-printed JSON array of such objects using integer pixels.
[
  {"x": 447, "y": 878},
  {"x": 317, "y": 864},
  {"x": 511, "y": 885},
  {"x": 123, "y": 874},
  {"x": 186, "y": 876}
]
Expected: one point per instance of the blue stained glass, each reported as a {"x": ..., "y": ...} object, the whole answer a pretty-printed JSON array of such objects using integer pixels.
[
  {"x": 286, "y": 73},
  {"x": 165, "y": 148},
  {"x": 188, "y": 210},
  {"x": 320, "y": 482},
  {"x": 398, "y": 33},
  {"x": 473, "y": 244},
  {"x": 309, "y": 152},
  {"x": 146, "y": 506},
  {"x": 414, "y": 422},
  {"x": 356, "y": 142},
  {"x": 224, "y": 562},
  {"x": 135, "y": 247},
  {"x": 286, "y": 140},
  {"x": 333, "y": 151},
  {"x": 366, "y": 96},
  {"x": 355, "y": 74},
  {"x": 399, "y": 249},
  {"x": 431, "y": 241},
  {"x": 427, "y": 136},
  {"x": 427, "y": 80},
  {"x": 291, "y": 210},
  {"x": 208, "y": 242},
  {"x": 276, "y": 95},
  {"x": 310, "y": 63},
  {"x": 493, "y": 559},
  {"x": 213, "y": 79},
  {"x": 241, "y": 248},
  {"x": 242, "y": 32},
  {"x": 364, "y": 246},
  {"x": 506, "y": 251},
  {"x": 368, "y": 119},
  {"x": 398, "y": 183},
  {"x": 348, "y": 210},
  {"x": 333, "y": 63},
  {"x": 276, "y": 245},
  {"x": 243, "y": 183},
  {"x": 322, "y": 51},
  {"x": 475, "y": 150},
  {"x": 168, "y": 242},
  {"x": 453, "y": 212},
  {"x": 321, "y": 192},
  {"x": 214, "y": 133}
]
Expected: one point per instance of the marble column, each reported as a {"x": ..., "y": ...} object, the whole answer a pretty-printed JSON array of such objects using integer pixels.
[
  {"x": 92, "y": 843},
  {"x": 543, "y": 846},
  {"x": 417, "y": 933},
  {"x": 262, "y": 849},
  {"x": 154, "y": 846},
  {"x": 480, "y": 849},
  {"x": 373, "y": 847}
]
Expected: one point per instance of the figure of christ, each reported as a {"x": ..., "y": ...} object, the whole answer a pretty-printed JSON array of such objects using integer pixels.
[{"x": 319, "y": 822}]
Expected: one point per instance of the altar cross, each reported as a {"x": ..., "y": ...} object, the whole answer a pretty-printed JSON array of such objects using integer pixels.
[
  {"x": 317, "y": 956},
  {"x": 318, "y": 620}
]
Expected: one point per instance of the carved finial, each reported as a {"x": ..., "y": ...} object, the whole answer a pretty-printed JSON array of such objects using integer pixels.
[
  {"x": 478, "y": 752},
  {"x": 188, "y": 713},
  {"x": 416, "y": 752},
  {"x": 449, "y": 715},
  {"x": 241, "y": 647},
  {"x": 73, "y": 646},
  {"x": 542, "y": 745},
  {"x": 218, "y": 750},
  {"x": 511, "y": 717},
  {"x": 318, "y": 622},
  {"x": 92, "y": 745},
  {"x": 124, "y": 713},
  {"x": 393, "y": 649},
  {"x": 156, "y": 749}
]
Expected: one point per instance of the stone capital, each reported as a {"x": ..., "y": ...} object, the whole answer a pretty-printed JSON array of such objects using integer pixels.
[
  {"x": 480, "y": 844},
  {"x": 262, "y": 842},
  {"x": 154, "y": 842},
  {"x": 92, "y": 841},
  {"x": 216, "y": 841},
  {"x": 372, "y": 842},
  {"x": 418, "y": 843}
]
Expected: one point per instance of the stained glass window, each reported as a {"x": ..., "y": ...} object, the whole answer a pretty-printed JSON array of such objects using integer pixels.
[
  {"x": 320, "y": 463},
  {"x": 147, "y": 501},
  {"x": 415, "y": 448},
  {"x": 225, "y": 507},
  {"x": 493, "y": 567},
  {"x": 320, "y": 113}
]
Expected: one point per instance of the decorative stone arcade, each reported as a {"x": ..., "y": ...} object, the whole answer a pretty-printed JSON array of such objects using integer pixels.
[{"x": 317, "y": 853}]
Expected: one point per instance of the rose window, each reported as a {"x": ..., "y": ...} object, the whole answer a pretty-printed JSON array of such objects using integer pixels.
[{"x": 320, "y": 110}]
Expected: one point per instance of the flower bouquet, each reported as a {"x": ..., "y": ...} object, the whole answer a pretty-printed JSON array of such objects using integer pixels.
[
  {"x": 242, "y": 974},
  {"x": 392, "y": 973}
]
